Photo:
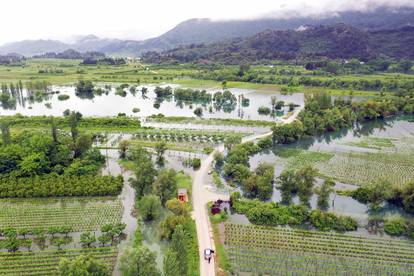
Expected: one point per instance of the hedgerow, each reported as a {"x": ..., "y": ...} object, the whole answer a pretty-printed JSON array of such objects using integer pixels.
[{"x": 58, "y": 185}]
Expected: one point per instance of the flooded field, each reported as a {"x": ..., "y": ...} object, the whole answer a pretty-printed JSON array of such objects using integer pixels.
[
  {"x": 112, "y": 103},
  {"x": 384, "y": 148}
]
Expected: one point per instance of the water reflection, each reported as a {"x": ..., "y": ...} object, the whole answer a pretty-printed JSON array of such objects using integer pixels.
[
  {"x": 108, "y": 101},
  {"x": 396, "y": 127}
]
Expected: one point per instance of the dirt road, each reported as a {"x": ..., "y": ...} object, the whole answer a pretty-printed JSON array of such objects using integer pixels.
[{"x": 202, "y": 195}]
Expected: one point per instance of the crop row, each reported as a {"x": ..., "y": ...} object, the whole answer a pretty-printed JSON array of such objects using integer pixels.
[
  {"x": 79, "y": 216},
  {"x": 268, "y": 231},
  {"x": 319, "y": 243},
  {"x": 46, "y": 262},
  {"x": 369, "y": 168},
  {"x": 282, "y": 262},
  {"x": 184, "y": 135}
]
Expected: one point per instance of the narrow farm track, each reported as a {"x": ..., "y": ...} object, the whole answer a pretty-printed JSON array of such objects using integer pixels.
[{"x": 202, "y": 195}]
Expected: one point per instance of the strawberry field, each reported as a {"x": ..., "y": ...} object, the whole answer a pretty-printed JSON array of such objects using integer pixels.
[
  {"x": 46, "y": 262},
  {"x": 81, "y": 214},
  {"x": 286, "y": 251}
]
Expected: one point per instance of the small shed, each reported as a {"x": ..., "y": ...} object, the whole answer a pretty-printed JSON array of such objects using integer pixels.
[{"x": 182, "y": 195}]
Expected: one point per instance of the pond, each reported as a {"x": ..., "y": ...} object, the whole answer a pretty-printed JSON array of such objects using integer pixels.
[{"x": 112, "y": 103}]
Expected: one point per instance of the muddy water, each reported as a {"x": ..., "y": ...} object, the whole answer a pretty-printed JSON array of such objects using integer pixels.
[{"x": 127, "y": 197}]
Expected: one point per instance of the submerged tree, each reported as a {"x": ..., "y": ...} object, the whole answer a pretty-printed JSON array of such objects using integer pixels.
[
  {"x": 160, "y": 149},
  {"x": 288, "y": 185},
  {"x": 165, "y": 186},
  {"x": 306, "y": 180},
  {"x": 123, "y": 148},
  {"x": 324, "y": 193},
  {"x": 149, "y": 207},
  {"x": 144, "y": 172}
]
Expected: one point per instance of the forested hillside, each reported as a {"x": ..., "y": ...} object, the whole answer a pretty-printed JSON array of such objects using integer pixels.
[{"x": 334, "y": 41}]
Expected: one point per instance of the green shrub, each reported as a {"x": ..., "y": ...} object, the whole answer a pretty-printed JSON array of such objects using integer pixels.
[
  {"x": 263, "y": 110},
  {"x": 149, "y": 207},
  {"x": 63, "y": 97},
  {"x": 196, "y": 163},
  {"x": 56, "y": 185},
  {"x": 395, "y": 226},
  {"x": 325, "y": 221}
]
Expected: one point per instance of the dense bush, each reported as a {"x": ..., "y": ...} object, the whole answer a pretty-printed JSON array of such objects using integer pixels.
[
  {"x": 149, "y": 207},
  {"x": 191, "y": 95},
  {"x": 56, "y": 185},
  {"x": 83, "y": 265},
  {"x": 84, "y": 88},
  {"x": 264, "y": 110},
  {"x": 63, "y": 97},
  {"x": 260, "y": 184},
  {"x": 321, "y": 116},
  {"x": 196, "y": 163},
  {"x": 62, "y": 122},
  {"x": 270, "y": 213},
  {"x": 162, "y": 92},
  {"x": 395, "y": 227},
  {"x": 329, "y": 221}
]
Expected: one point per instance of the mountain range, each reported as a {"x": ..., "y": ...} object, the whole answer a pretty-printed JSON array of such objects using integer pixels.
[
  {"x": 337, "y": 41},
  {"x": 196, "y": 31}
]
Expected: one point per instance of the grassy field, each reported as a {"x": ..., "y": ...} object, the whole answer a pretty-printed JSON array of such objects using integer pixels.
[
  {"x": 135, "y": 72},
  {"x": 46, "y": 262},
  {"x": 285, "y": 251},
  {"x": 82, "y": 214}
]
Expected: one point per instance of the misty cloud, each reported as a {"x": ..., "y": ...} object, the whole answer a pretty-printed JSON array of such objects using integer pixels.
[
  {"x": 132, "y": 19},
  {"x": 328, "y": 8}
]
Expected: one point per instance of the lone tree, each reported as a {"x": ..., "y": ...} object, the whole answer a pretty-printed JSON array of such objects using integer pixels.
[
  {"x": 160, "y": 149},
  {"x": 149, "y": 207},
  {"x": 306, "y": 180},
  {"x": 5, "y": 132},
  {"x": 324, "y": 192},
  {"x": 198, "y": 112},
  {"x": 74, "y": 119},
  {"x": 165, "y": 186},
  {"x": 123, "y": 148},
  {"x": 288, "y": 185},
  {"x": 54, "y": 130}
]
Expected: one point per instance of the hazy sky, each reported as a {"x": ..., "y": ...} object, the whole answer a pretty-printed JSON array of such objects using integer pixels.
[{"x": 137, "y": 19}]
